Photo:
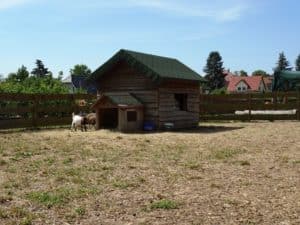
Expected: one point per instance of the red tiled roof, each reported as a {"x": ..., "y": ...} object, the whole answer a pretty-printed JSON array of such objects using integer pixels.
[{"x": 252, "y": 82}]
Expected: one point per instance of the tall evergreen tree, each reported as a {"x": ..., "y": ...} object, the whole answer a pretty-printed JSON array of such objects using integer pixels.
[
  {"x": 40, "y": 71},
  {"x": 298, "y": 63},
  {"x": 214, "y": 71},
  {"x": 282, "y": 63}
]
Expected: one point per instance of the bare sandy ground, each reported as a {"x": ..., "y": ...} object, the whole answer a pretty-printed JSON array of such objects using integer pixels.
[{"x": 223, "y": 173}]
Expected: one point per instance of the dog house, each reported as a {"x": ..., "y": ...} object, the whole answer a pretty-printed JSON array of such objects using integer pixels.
[{"x": 121, "y": 111}]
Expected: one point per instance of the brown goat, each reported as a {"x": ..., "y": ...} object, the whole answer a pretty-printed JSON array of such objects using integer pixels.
[{"x": 90, "y": 119}]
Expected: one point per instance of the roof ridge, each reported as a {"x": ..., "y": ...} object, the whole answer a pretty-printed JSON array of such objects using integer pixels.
[{"x": 148, "y": 54}]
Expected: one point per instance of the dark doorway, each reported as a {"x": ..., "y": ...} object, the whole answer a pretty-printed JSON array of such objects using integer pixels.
[{"x": 109, "y": 118}]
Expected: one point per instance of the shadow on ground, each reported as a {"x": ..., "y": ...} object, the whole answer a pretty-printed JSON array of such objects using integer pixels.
[{"x": 201, "y": 129}]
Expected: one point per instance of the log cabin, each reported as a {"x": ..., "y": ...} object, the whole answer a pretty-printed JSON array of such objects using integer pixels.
[{"x": 137, "y": 91}]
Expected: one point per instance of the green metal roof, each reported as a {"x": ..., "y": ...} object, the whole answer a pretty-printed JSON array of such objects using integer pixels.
[
  {"x": 290, "y": 75},
  {"x": 123, "y": 99},
  {"x": 155, "y": 67}
]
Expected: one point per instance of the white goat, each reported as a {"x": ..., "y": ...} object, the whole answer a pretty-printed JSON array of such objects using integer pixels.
[{"x": 78, "y": 121}]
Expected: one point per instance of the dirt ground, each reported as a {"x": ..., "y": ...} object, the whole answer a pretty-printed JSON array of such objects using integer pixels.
[{"x": 220, "y": 173}]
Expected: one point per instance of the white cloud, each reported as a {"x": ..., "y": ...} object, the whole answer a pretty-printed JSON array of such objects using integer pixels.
[
  {"x": 4, "y": 4},
  {"x": 215, "y": 9}
]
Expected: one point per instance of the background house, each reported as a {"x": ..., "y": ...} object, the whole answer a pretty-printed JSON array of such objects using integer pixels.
[
  {"x": 238, "y": 84},
  {"x": 135, "y": 89},
  {"x": 79, "y": 83}
]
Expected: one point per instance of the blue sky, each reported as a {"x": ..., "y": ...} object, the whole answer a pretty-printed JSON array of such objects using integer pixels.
[{"x": 249, "y": 34}]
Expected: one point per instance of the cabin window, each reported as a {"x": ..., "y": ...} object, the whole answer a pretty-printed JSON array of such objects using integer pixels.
[
  {"x": 131, "y": 116},
  {"x": 181, "y": 102}
]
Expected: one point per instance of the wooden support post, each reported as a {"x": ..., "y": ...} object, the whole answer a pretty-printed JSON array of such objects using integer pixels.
[
  {"x": 158, "y": 108},
  {"x": 249, "y": 106},
  {"x": 35, "y": 112},
  {"x": 298, "y": 103}
]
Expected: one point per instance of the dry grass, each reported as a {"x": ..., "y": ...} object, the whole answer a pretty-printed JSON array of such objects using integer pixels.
[{"x": 218, "y": 174}]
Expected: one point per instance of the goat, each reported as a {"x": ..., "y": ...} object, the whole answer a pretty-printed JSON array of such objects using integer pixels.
[
  {"x": 78, "y": 121},
  {"x": 90, "y": 119}
]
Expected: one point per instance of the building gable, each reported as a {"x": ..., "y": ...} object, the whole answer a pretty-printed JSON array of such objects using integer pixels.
[{"x": 156, "y": 68}]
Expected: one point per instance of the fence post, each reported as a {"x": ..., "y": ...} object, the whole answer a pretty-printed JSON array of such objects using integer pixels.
[
  {"x": 249, "y": 106},
  {"x": 298, "y": 102},
  {"x": 34, "y": 111}
]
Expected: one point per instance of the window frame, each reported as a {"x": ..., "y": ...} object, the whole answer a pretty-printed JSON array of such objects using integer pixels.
[
  {"x": 132, "y": 117},
  {"x": 181, "y": 101}
]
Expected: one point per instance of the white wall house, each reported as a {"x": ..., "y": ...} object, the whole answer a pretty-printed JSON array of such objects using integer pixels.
[{"x": 242, "y": 86}]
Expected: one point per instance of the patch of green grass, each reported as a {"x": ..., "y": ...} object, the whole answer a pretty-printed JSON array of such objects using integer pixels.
[
  {"x": 23, "y": 155},
  {"x": 50, "y": 161},
  {"x": 164, "y": 204},
  {"x": 68, "y": 161},
  {"x": 80, "y": 211},
  {"x": 122, "y": 184},
  {"x": 3, "y": 214},
  {"x": 26, "y": 217},
  {"x": 224, "y": 154},
  {"x": 18, "y": 212},
  {"x": 50, "y": 199},
  {"x": 193, "y": 165},
  {"x": 28, "y": 220},
  {"x": 296, "y": 162}
]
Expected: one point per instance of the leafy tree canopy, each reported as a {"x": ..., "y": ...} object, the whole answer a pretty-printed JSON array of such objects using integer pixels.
[
  {"x": 260, "y": 73},
  {"x": 80, "y": 70},
  {"x": 47, "y": 85},
  {"x": 214, "y": 71},
  {"x": 243, "y": 73},
  {"x": 20, "y": 75}
]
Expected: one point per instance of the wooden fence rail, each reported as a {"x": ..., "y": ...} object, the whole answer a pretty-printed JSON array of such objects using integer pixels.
[
  {"x": 38, "y": 110},
  {"x": 224, "y": 107}
]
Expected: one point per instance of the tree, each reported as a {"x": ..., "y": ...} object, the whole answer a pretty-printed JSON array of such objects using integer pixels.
[
  {"x": 32, "y": 84},
  {"x": 214, "y": 71},
  {"x": 260, "y": 73},
  {"x": 22, "y": 73},
  {"x": 298, "y": 63},
  {"x": 243, "y": 73},
  {"x": 80, "y": 70},
  {"x": 40, "y": 71},
  {"x": 282, "y": 63}
]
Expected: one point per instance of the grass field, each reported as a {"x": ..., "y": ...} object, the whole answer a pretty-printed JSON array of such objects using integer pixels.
[{"x": 224, "y": 173}]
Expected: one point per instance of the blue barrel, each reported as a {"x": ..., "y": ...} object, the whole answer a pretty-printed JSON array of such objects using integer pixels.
[{"x": 149, "y": 126}]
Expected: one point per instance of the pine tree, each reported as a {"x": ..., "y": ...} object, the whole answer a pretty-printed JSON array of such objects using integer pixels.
[
  {"x": 40, "y": 71},
  {"x": 282, "y": 63},
  {"x": 214, "y": 71},
  {"x": 298, "y": 63}
]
